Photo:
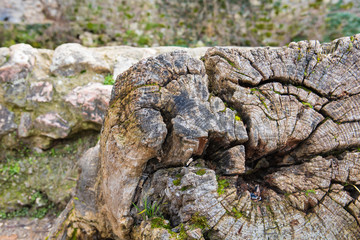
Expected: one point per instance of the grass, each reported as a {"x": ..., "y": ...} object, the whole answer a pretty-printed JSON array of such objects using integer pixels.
[
  {"x": 357, "y": 189},
  {"x": 149, "y": 210}
]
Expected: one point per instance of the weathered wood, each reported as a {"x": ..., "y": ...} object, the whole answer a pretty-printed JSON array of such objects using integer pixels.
[{"x": 257, "y": 143}]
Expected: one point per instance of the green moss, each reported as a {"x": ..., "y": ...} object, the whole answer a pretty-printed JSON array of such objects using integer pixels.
[
  {"x": 184, "y": 188},
  {"x": 31, "y": 210},
  {"x": 309, "y": 191},
  {"x": 182, "y": 233},
  {"x": 304, "y": 88},
  {"x": 47, "y": 178},
  {"x": 74, "y": 233},
  {"x": 159, "y": 222},
  {"x": 254, "y": 90},
  {"x": 177, "y": 181},
  {"x": 198, "y": 221},
  {"x": 307, "y": 104},
  {"x": 237, "y": 117},
  {"x": 201, "y": 172},
  {"x": 299, "y": 57},
  {"x": 264, "y": 103}
]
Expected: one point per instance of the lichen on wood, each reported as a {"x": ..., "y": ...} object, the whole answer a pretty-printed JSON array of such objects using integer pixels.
[{"x": 290, "y": 160}]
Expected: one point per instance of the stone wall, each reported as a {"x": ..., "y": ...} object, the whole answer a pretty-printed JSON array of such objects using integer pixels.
[{"x": 48, "y": 95}]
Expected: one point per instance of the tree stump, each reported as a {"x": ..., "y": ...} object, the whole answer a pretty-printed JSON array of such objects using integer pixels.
[{"x": 249, "y": 143}]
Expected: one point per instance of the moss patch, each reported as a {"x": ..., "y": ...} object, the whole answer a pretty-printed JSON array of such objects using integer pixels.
[
  {"x": 198, "y": 221},
  {"x": 201, "y": 172},
  {"x": 36, "y": 183},
  {"x": 158, "y": 222}
]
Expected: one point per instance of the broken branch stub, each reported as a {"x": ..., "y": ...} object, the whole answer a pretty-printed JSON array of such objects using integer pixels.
[{"x": 273, "y": 133}]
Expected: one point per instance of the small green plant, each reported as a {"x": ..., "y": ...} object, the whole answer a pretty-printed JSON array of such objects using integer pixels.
[
  {"x": 149, "y": 210},
  {"x": 222, "y": 184},
  {"x": 11, "y": 168},
  {"x": 53, "y": 152},
  {"x": 2, "y": 215},
  {"x": 200, "y": 172},
  {"x": 109, "y": 80},
  {"x": 236, "y": 213}
]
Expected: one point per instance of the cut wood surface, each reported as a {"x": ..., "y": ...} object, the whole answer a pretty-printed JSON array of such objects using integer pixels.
[{"x": 249, "y": 143}]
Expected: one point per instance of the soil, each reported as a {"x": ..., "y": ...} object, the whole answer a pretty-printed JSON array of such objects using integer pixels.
[{"x": 26, "y": 228}]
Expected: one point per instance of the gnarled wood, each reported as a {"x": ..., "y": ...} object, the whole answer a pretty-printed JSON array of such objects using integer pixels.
[{"x": 257, "y": 143}]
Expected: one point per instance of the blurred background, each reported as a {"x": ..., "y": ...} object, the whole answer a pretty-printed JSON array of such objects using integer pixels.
[{"x": 190, "y": 23}]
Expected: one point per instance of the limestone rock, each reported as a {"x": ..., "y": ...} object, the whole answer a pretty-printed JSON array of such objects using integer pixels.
[
  {"x": 72, "y": 58},
  {"x": 7, "y": 123},
  {"x": 16, "y": 91},
  {"x": 91, "y": 101},
  {"x": 4, "y": 55},
  {"x": 25, "y": 124},
  {"x": 52, "y": 125},
  {"x": 20, "y": 63},
  {"x": 40, "y": 92}
]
